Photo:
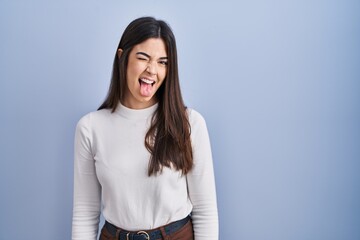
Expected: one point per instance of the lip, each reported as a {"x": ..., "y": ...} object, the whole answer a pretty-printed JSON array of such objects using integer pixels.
[{"x": 148, "y": 78}]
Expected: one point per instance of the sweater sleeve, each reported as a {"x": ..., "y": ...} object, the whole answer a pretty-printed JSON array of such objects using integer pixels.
[
  {"x": 201, "y": 182},
  {"x": 87, "y": 190}
]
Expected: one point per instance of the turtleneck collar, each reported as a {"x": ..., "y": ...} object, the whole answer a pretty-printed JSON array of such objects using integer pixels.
[{"x": 136, "y": 113}]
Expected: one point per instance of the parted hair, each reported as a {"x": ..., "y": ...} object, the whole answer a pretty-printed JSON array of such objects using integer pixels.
[{"x": 168, "y": 137}]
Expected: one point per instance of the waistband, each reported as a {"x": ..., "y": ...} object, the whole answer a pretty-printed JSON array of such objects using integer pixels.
[{"x": 147, "y": 234}]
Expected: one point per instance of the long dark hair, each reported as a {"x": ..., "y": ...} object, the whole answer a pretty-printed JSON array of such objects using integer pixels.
[{"x": 168, "y": 138}]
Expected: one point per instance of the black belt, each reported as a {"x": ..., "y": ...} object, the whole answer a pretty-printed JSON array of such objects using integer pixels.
[{"x": 146, "y": 235}]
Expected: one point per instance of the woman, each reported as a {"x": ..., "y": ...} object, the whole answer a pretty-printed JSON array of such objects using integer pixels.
[{"x": 143, "y": 156}]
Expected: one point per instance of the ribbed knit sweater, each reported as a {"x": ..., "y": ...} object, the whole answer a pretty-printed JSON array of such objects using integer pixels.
[{"x": 110, "y": 175}]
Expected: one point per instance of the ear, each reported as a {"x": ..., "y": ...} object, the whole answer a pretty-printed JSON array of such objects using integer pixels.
[{"x": 119, "y": 52}]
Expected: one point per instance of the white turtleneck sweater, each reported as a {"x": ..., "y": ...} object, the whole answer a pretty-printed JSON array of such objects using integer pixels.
[{"x": 110, "y": 174}]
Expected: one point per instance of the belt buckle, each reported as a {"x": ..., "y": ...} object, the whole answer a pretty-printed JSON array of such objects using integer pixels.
[{"x": 144, "y": 234}]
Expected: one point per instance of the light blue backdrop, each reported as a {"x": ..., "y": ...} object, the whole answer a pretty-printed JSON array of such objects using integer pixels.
[{"x": 277, "y": 81}]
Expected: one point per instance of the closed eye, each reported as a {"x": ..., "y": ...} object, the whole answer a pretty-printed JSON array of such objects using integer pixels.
[{"x": 142, "y": 56}]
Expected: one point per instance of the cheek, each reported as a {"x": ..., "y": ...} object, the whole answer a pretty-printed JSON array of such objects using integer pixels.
[
  {"x": 162, "y": 74},
  {"x": 134, "y": 70}
]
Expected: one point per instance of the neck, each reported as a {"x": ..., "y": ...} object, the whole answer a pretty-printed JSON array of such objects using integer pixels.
[{"x": 139, "y": 105}]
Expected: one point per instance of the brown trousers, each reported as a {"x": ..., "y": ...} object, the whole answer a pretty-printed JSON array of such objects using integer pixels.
[{"x": 184, "y": 233}]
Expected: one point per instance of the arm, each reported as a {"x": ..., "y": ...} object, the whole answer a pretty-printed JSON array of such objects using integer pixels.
[
  {"x": 201, "y": 183},
  {"x": 87, "y": 190}
]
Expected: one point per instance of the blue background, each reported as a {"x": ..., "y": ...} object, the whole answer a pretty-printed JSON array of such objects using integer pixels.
[{"x": 277, "y": 81}]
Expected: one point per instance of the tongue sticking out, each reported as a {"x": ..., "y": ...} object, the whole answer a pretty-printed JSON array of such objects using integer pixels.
[{"x": 145, "y": 89}]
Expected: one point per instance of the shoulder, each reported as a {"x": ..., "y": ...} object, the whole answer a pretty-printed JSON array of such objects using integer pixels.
[
  {"x": 93, "y": 118},
  {"x": 196, "y": 120},
  {"x": 200, "y": 141}
]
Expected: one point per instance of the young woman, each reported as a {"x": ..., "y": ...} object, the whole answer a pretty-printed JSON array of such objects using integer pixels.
[{"x": 143, "y": 158}]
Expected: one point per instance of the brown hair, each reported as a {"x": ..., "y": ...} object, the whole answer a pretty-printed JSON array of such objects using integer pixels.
[{"x": 168, "y": 138}]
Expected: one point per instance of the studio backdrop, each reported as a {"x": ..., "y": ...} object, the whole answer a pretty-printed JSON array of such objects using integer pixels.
[{"x": 278, "y": 83}]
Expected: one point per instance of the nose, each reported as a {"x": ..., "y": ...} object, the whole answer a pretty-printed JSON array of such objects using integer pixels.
[{"x": 152, "y": 68}]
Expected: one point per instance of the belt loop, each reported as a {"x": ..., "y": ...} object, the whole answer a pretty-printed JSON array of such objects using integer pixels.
[
  {"x": 117, "y": 236},
  {"x": 163, "y": 233}
]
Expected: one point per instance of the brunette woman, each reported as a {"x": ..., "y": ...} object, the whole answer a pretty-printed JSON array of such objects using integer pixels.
[{"x": 144, "y": 159}]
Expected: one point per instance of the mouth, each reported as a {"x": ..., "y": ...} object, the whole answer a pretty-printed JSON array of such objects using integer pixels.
[
  {"x": 146, "y": 86},
  {"x": 146, "y": 81}
]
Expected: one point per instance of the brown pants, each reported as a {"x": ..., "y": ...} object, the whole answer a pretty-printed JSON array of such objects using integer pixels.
[{"x": 184, "y": 233}]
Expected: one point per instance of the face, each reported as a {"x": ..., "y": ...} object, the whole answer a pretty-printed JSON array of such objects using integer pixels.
[{"x": 146, "y": 71}]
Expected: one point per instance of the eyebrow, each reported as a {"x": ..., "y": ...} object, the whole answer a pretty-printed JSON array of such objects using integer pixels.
[{"x": 148, "y": 56}]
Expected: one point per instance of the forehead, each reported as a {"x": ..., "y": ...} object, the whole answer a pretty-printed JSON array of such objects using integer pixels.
[{"x": 155, "y": 47}]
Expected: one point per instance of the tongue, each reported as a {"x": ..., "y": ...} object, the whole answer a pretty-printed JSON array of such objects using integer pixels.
[{"x": 145, "y": 89}]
